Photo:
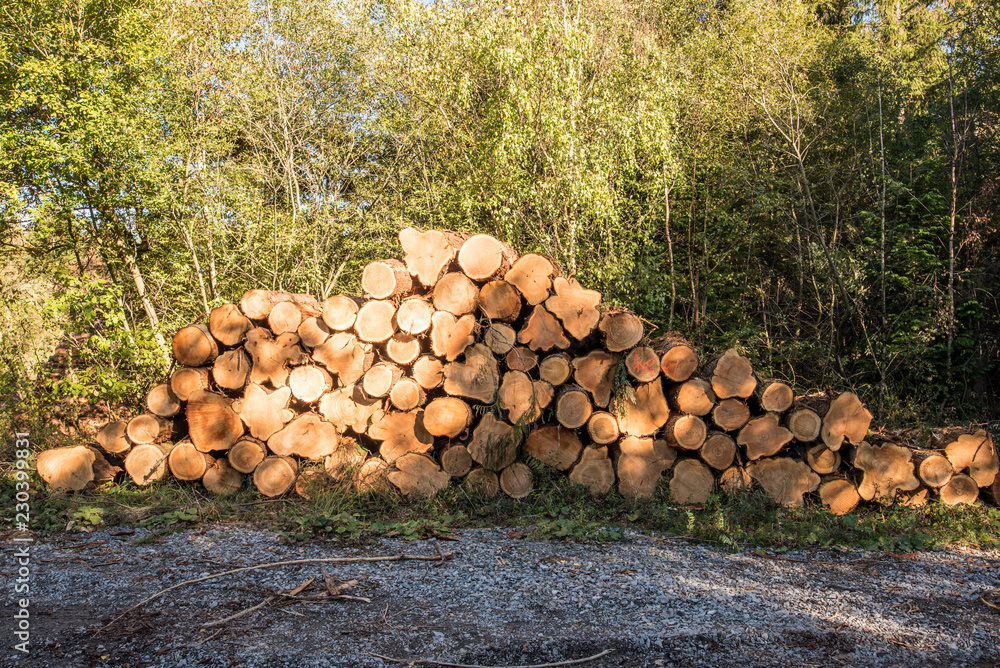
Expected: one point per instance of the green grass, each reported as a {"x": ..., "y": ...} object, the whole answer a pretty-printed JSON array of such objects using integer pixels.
[{"x": 557, "y": 509}]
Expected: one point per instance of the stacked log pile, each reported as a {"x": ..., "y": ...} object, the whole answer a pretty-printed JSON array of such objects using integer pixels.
[{"x": 463, "y": 362}]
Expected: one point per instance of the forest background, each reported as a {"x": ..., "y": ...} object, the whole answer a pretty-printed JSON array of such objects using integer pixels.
[{"x": 815, "y": 182}]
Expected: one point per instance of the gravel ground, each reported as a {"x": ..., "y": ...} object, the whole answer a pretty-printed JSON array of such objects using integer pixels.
[{"x": 502, "y": 600}]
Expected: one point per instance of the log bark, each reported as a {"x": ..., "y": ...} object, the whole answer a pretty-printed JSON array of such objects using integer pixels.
[
  {"x": 308, "y": 383},
  {"x": 678, "y": 359},
  {"x": 974, "y": 454},
  {"x": 375, "y": 322},
  {"x": 448, "y": 417},
  {"x": 542, "y": 332},
  {"x": 603, "y": 428},
  {"x": 685, "y": 432},
  {"x": 69, "y": 468},
  {"x": 186, "y": 462},
  {"x": 403, "y": 349},
  {"x": 313, "y": 332},
  {"x": 194, "y": 346},
  {"x": 888, "y": 469},
  {"x": 482, "y": 482},
  {"x": 456, "y": 461},
  {"x": 275, "y": 476},
  {"x": 212, "y": 424},
  {"x": 386, "y": 279},
  {"x": 271, "y": 356},
  {"x": 517, "y": 481},
  {"x": 718, "y": 451},
  {"x": 112, "y": 438},
  {"x": 414, "y": 316},
  {"x": 418, "y": 474},
  {"x": 822, "y": 459},
  {"x": 732, "y": 375},
  {"x": 730, "y": 414},
  {"x": 483, "y": 257},
  {"x": 344, "y": 355},
  {"x": 594, "y": 470},
  {"x": 500, "y": 301},
  {"x": 162, "y": 401},
  {"x": 264, "y": 413},
  {"x": 227, "y": 325},
  {"x": 500, "y": 338},
  {"x": 451, "y": 336},
  {"x": 147, "y": 463},
  {"x": 428, "y": 372},
  {"x": 764, "y": 437},
  {"x": 595, "y": 372},
  {"x": 407, "y": 395},
  {"x": 222, "y": 479},
  {"x": 149, "y": 428},
  {"x": 246, "y": 454},
  {"x": 643, "y": 364},
  {"x": 961, "y": 489},
  {"x": 340, "y": 312},
  {"x": 575, "y": 306},
  {"x": 521, "y": 358},
  {"x": 777, "y": 397},
  {"x": 185, "y": 381},
  {"x": 428, "y": 254},
  {"x": 477, "y": 378},
  {"x": 694, "y": 396},
  {"x": 231, "y": 369},
  {"x": 621, "y": 328},
  {"x": 647, "y": 413},
  {"x": 573, "y": 407},
  {"x": 785, "y": 480},
  {"x": 640, "y": 464},
  {"x": 691, "y": 482},
  {"x": 845, "y": 419},
  {"x": 554, "y": 445},
  {"x": 456, "y": 294},
  {"x": 532, "y": 275},
  {"x": 493, "y": 445},
  {"x": 400, "y": 434},
  {"x": 839, "y": 495},
  {"x": 555, "y": 369},
  {"x": 805, "y": 424},
  {"x": 258, "y": 304},
  {"x": 379, "y": 379}
]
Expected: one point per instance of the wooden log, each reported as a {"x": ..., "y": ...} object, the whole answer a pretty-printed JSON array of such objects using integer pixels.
[
  {"x": 375, "y": 322},
  {"x": 379, "y": 379},
  {"x": 285, "y": 317},
  {"x": 594, "y": 471},
  {"x": 555, "y": 369},
  {"x": 162, "y": 401},
  {"x": 500, "y": 338},
  {"x": 231, "y": 369},
  {"x": 554, "y": 445},
  {"x": 68, "y": 468},
  {"x": 621, "y": 329},
  {"x": 640, "y": 464},
  {"x": 961, "y": 489},
  {"x": 186, "y": 462},
  {"x": 418, "y": 474},
  {"x": 386, "y": 279},
  {"x": 993, "y": 491},
  {"x": 805, "y": 424},
  {"x": 777, "y": 397},
  {"x": 735, "y": 480},
  {"x": 732, "y": 375},
  {"x": 975, "y": 454},
  {"x": 447, "y": 417},
  {"x": 575, "y": 306},
  {"x": 500, "y": 301},
  {"x": 935, "y": 470},
  {"x": 482, "y": 482},
  {"x": 822, "y": 459},
  {"x": 149, "y": 428},
  {"x": 344, "y": 355},
  {"x": 603, "y": 428},
  {"x": 785, "y": 480},
  {"x": 532, "y": 275},
  {"x": 691, "y": 482},
  {"x": 258, "y": 304},
  {"x": 340, "y": 312},
  {"x": 275, "y": 475},
  {"x": 493, "y": 445},
  {"x": 246, "y": 454},
  {"x": 888, "y": 468},
  {"x": 542, "y": 332},
  {"x": 342, "y": 464},
  {"x": 264, "y": 413},
  {"x": 595, "y": 372},
  {"x": 414, "y": 316},
  {"x": 307, "y": 436},
  {"x": 456, "y": 461},
  {"x": 104, "y": 471},
  {"x": 517, "y": 481},
  {"x": 483, "y": 257},
  {"x": 271, "y": 356},
  {"x": 147, "y": 463},
  {"x": 403, "y": 349},
  {"x": 194, "y": 346},
  {"x": 477, "y": 378},
  {"x": 406, "y": 395},
  {"x": 456, "y": 294},
  {"x": 371, "y": 477},
  {"x": 643, "y": 364},
  {"x": 428, "y": 372},
  {"x": 401, "y": 433},
  {"x": 428, "y": 254},
  {"x": 310, "y": 483},
  {"x": 916, "y": 498},
  {"x": 521, "y": 358},
  {"x": 694, "y": 396},
  {"x": 227, "y": 325},
  {"x": 685, "y": 432},
  {"x": 573, "y": 407},
  {"x": 845, "y": 419},
  {"x": 222, "y": 479},
  {"x": 517, "y": 397},
  {"x": 451, "y": 336},
  {"x": 763, "y": 437},
  {"x": 647, "y": 413},
  {"x": 309, "y": 382},
  {"x": 718, "y": 451},
  {"x": 730, "y": 414},
  {"x": 678, "y": 359},
  {"x": 112, "y": 438},
  {"x": 185, "y": 381},
  {"x": 839, "y": 495},
  {"x": 313, "y": 332},
  {"x": 212, "y": 423}
]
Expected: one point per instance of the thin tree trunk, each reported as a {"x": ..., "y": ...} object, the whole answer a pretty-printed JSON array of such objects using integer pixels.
[{"x": 670, "y": 249}]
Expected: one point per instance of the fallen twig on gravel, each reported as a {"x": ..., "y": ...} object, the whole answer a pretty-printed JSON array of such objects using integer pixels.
[
  {"x": 569, "y": 662},
  {"x": 440, "y": 557},
  {"x": 239, "y": 614}
]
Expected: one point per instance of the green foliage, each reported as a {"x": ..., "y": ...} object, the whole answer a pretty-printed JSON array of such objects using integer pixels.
[{"x": 177, "y": 518}]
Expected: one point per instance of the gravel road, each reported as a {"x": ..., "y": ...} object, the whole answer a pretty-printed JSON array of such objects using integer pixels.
[{"x": 501, "y": 600}]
